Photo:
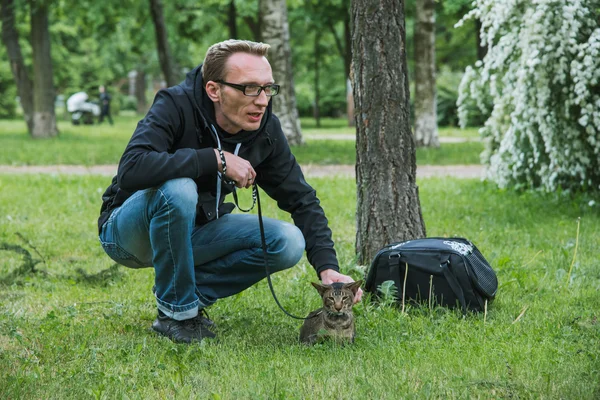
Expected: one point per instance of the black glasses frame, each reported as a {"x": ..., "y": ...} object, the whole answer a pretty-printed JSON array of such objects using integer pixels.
[{"x": 242, "y": 88}]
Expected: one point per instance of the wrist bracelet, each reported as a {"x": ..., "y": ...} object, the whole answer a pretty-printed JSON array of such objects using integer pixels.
[{"x": 223, "y": 162}]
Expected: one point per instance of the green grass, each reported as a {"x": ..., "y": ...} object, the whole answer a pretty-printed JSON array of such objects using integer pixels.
[
  {"x": 95, "y": 145},
  {"x": 331, "y": 126},
  {"x": 75, "y": 328},
  {"x": 84, "y": 145},
  {"x": 327, "y": 152}
]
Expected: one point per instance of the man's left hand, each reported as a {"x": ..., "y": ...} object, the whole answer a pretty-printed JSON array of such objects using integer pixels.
[{"x": 328, "y": 276}]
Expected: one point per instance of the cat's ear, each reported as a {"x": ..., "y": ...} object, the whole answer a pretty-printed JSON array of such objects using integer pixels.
[
  {"x": 354, "y": 286},
  {"x": 320, "y": 288}
]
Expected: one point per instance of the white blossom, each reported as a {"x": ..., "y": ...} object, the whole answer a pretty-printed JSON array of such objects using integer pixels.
[{"x": 542, "y": 75}]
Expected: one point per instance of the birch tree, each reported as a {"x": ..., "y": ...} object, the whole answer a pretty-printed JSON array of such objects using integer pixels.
[
  {"x": 275, "y": 31},
  {"x": 426, "y": 134}
]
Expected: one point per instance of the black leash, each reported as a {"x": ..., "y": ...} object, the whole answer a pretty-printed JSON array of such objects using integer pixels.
[{"x": 256, "y": 200}]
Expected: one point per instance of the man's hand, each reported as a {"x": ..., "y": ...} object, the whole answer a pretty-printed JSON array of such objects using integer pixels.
[
  {"x": 328, "y": 276},
  {"x": 238, "y": 169}
]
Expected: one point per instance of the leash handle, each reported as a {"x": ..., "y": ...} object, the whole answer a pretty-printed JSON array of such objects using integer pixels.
[{"x": 263, "y": 240}]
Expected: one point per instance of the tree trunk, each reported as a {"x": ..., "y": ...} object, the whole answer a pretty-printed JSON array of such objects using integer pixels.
[
  {"x": 231, "y": 20},
  {"x": 44, "y": 94},
  {"x": 10, "y": 38},
  {"x": 162, "y": 43},
  {"x": 481, "y": 49},
  {"x": 254, "y": 25},
  {"x": 426, "y": 134},
  {"x": 350, "y": 102},
  {"x": 275, "y": 31},
  {"x": 316, "y": 110},
  {"x": 388, "y": 207},
  {"x": 140, "y": 91},
  {"x": 347, "y": 65}
]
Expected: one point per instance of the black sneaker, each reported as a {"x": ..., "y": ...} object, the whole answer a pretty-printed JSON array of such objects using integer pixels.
[
  {"x": 186, "y": 331},
  {"x": 204, "y": 319}
]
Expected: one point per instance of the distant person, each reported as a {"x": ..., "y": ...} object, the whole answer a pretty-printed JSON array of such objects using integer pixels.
[
  {"x": 104, "y": 105},
  {"x": 165, "y": 207}
]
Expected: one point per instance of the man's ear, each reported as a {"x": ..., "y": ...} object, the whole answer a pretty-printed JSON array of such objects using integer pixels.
[{"x": 213, "y": 90}]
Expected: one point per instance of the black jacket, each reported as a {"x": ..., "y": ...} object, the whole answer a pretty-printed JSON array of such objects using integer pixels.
[{"x": 175, "y": 140}]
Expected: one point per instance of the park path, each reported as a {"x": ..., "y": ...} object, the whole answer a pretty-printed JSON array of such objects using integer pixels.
[{"x": 310, "y": 170}]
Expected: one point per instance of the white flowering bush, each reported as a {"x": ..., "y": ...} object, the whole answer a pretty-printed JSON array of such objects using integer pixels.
[{"x": 541, "y": 78}]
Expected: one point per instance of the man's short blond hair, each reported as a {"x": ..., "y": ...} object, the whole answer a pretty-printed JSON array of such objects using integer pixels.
[{"x": 213, "y": 67}]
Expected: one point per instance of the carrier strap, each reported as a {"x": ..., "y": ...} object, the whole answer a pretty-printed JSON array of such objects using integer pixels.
[{"x": 454, "y": 285}]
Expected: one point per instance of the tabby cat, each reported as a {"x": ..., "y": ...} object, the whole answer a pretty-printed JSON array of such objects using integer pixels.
[{"x": 335, "y": 319}]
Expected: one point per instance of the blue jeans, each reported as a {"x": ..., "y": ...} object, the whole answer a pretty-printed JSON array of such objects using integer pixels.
[{"x": 194, "y": 265}]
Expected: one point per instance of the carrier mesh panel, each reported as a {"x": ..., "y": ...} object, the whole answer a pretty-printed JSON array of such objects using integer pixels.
[{"x": 485, "y": 275}]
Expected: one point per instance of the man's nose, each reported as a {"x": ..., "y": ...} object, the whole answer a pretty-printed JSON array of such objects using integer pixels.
[{"x": 262, "y": 99}]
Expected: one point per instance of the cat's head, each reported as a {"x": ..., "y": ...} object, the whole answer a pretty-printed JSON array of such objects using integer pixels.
[{"x": 338, "y": 297}]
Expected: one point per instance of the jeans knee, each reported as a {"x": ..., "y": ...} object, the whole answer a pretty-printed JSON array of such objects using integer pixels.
[
  {"x": 289, "y": 246},
  {"x": 181, "y": 195}
]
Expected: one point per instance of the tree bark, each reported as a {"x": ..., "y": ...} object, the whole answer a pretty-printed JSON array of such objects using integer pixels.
[
  {"x": 162, "y": 43},
  {"x": 44, "y": 94},
  {"x": 275, "y": 31},
  {"x": 345, "y": 53},
  {"x": 254, "y": 25},
  {"x": 140, "y": 91},
  {"x": 10, "y": 38},
  {"x": 388, "y": 207},
  {"x": 316, "y": 110},
  {"x": 231, "y": 20},
  {"x": 426, "y": 133},
  {"x": 347, "y": 66},
  {"x": 481, "y": 49}
]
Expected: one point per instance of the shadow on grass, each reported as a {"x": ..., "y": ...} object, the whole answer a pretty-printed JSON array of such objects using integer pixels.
[{"x": 28, "y": 268}]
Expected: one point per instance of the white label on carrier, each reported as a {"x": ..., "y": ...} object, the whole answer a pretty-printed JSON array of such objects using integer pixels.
[
  {"x": 461, "y": 248},
  {"x": 400, "y": 244}
]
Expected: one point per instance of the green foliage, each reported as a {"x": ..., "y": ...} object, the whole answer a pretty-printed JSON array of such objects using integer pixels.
[
  {"x": 320, "y": 21},
  {"x": 66, "y": 336},
  {"x": 332, "y": 102},
  {"x": 388, "y": 293},
  {"x": 128, "y": 103},
  {"x": 8, "y": 104},
  {"x": 447, "y": 84},
  {"x": 100, "y": 42}
]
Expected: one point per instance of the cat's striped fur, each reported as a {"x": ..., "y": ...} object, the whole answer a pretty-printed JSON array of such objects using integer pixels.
[{"x": 335, "y": 319}]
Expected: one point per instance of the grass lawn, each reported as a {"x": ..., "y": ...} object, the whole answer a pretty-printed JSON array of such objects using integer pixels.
[
  {"x": 104, "y": 144},
  {"x": 340, "y": 126},
  {"x": 77, "y": 327}
]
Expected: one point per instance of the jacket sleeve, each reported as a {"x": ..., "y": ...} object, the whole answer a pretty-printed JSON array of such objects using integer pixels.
[
  {"x": 282, "y": 179},
  {"x": 149, "y": 159}
]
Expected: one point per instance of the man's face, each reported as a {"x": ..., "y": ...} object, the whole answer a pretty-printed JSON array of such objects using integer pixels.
[{"x": 234, "y": 110}]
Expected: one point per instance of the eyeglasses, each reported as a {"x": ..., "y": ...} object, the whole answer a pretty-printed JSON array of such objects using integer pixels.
[{"x": 254, "y": 90}]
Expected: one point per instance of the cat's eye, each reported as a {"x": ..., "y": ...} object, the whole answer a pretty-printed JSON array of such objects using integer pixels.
[{"x": 345, "y": 298}]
